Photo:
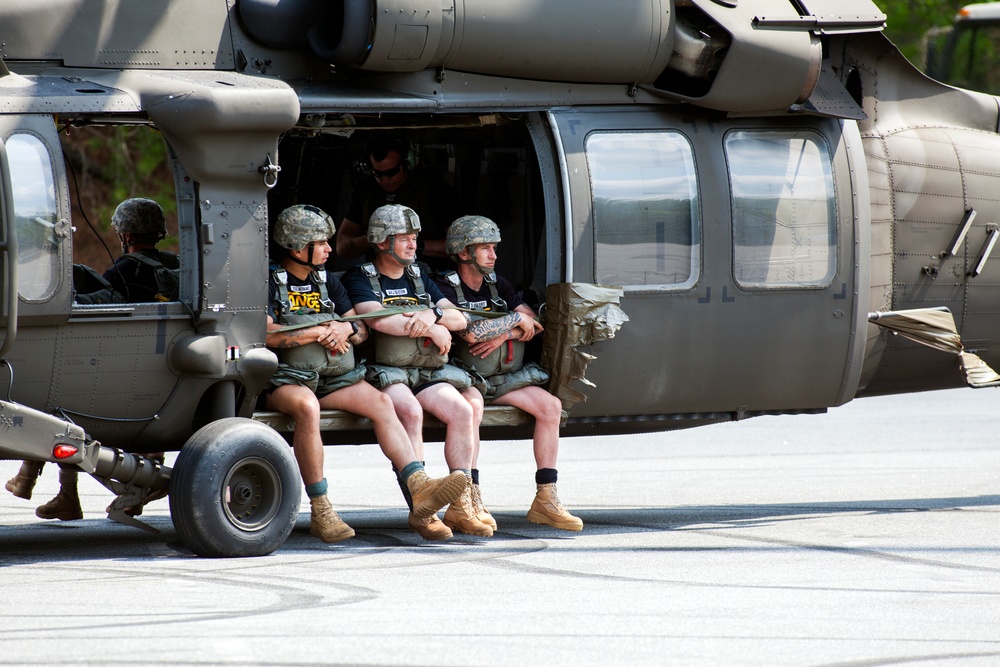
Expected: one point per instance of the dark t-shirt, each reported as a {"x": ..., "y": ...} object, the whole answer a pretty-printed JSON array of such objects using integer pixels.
[
  {"x": 306, "y": 294},
  {"x": 480, "y": 299},
  {"x": 397, "y": 291}
]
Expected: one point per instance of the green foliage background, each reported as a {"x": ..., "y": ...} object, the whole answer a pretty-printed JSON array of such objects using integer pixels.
[{"x": 908, "y": 20}]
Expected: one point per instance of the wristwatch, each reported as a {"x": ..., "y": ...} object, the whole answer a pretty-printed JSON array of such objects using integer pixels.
[
  {"x": 356, "y": 327},
  {"x": 438, "y": 314}
]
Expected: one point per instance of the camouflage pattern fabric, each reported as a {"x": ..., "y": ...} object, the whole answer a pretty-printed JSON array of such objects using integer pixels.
[
  {"x": 470, "y": 230},
  {"x": 390, "y": 220},
  {"x": 298, "y": 226},
  {"x": 139, "y": 216}
]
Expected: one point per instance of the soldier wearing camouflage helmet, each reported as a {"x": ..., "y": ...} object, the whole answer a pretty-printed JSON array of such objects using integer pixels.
[
  {"x": 141, "y": 274},
  {"x": 303, "y": 226},
  {"x": 469, "y": 231},
  {"x": 411, "y": 356},
  {"x": 494, "y": 348},
  {"x": 386, "y": 223},
  {"x": 317, "y": 370}
]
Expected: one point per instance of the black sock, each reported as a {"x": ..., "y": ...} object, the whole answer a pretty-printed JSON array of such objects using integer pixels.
[{"x": 546, "y": 476}]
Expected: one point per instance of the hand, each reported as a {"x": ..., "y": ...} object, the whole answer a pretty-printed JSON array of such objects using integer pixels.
[
  {"x": 526, "y": 329},
  {"x": 483, "y": 349},
  {"x": 419, "y": 323},
  {"x": 440, "y": 337},
  {"x": 333, "y": 336}
]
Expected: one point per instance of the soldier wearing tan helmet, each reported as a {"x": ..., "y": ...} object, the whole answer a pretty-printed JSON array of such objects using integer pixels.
[
  {"x": 494, "y": 348},
  {"x": 318, "y": 370},
  {"x": 411, "y": 353}
]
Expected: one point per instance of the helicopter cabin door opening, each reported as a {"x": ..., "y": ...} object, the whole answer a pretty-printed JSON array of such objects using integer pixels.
[{"x": 740, "y": 249}]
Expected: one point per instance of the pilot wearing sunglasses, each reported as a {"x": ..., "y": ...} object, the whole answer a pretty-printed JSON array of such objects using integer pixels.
[{"x": 395, "y": 182}]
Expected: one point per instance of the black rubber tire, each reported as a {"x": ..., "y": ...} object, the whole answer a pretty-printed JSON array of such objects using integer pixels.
[{"x": 234, "y": 490}]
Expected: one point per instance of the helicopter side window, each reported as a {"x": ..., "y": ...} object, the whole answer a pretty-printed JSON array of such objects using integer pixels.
[
  {"x": 38, "y": 224},
  {"x": 784, "y": 209},
  {"x": 646, "y": 209}
]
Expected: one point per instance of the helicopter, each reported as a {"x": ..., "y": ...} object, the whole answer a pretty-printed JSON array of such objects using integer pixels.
[{"x": 716, "y": 204}]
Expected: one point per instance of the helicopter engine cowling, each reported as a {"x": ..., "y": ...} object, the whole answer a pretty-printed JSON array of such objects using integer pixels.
[{"x": 719, "y": 54}]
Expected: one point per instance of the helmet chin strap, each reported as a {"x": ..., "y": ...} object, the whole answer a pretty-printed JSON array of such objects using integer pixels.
[
  {"x": 308, "y": 263},
  {"x": 482, "y": 269},
  {"x": 392, "y": 251}
]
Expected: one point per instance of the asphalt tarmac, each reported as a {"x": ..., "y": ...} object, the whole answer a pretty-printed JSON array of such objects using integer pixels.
[{"x": 867, "y": 536}]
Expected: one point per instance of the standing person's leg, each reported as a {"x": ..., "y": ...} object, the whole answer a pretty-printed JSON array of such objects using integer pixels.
[
  {"x": 66, "y": 505},
  {"x": 301, "y": 404},
  {"x": 547, "y": 411},
  {"x": 23, "y": 482}
]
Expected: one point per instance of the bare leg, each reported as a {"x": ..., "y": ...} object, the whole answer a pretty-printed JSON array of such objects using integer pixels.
[
  {"x": 367, "y": 401},
  {"x": 301, "y": 404},
  {"x": 456, "y": 413},
  {"x": 547, "y": 411},
  {"x": 410, "y": 414}
]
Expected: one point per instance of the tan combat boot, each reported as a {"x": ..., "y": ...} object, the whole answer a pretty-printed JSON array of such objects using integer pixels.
[
  {"x": 430, "y": 495},
  {"x": 65, "y": 506},
  {"x": 547, "y": 509},
  {"x": 23, "y": 482},
  {"x": 461, "y": 516},
  {"x": 482, "y": 513},
  {"x": 430, "y": 528},
  {"x": 325, "y": 524}
]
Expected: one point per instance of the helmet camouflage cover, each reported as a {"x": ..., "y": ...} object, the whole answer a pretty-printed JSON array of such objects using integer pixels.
[
  {"x": 298, "y": 226},
  {"x": 470, "y": 230},
  {"x": 139, "y": 216},
  {"x": 390, "y": 220}
]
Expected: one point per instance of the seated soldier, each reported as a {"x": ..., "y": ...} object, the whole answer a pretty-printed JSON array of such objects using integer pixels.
[
  {"x": 318, "y": 370},
  {"x": 141, "y": 274},
  {"x": 411, "y": 352},
  {"x": 494, "y": 348}
]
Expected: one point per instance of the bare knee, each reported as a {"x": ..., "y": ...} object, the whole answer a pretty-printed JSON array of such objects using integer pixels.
[{"x": 408, "y": 409}]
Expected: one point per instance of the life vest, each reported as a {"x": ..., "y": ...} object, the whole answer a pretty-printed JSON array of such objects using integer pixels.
[
  {"x": 507, "y": 358},
  {"x": 312, "y": 356},
  {"x": 403, "y": 351},
  {"x": 166, "y": 270}
]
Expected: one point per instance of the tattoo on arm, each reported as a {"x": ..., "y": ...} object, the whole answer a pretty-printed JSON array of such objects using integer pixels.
[
  {"x": 490, "y": 329},
  {"x": 360, "y": 337},
  {"x": 288, "y": 339}
]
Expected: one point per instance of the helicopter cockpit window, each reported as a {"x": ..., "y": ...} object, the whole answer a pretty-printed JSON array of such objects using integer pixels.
[
  {"x": 646, "y": 209},
  {"x": 38, "y": 225},
  {"x": 784, "y": 209}
]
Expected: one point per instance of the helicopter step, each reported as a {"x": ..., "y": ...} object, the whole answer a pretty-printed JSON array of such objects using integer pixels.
[{"x": 340, "y": 420}]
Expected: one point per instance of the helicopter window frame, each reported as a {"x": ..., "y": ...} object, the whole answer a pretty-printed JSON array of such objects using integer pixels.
[
  {"x": 786, "y": 244},
  {"x": 42, "y": 269},
  {"x": 639, "y": 239}
]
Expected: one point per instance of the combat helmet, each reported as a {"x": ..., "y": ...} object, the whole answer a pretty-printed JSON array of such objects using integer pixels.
[
  {"x": 139, "y": 215},
  {"x": 470, "y": 230},
  {"x": 388, "y": 221},
  {"x": 301, "y": 225}
]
